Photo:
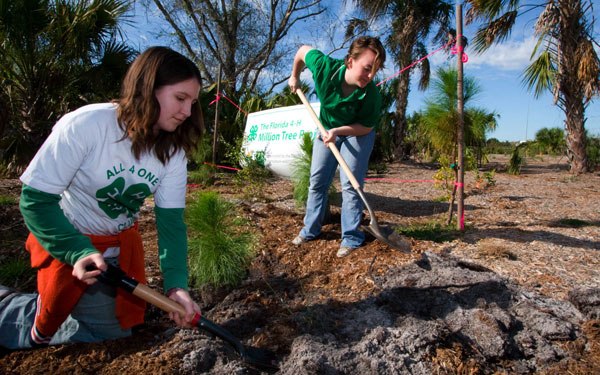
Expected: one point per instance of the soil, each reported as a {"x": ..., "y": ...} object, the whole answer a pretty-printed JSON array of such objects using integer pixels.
[{"x": 516, "y": 292}]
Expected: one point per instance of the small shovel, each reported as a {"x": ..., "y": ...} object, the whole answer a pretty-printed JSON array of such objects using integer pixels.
[
  {"x": 258, "y": 358},
  {"x": 385, "y": 234}
]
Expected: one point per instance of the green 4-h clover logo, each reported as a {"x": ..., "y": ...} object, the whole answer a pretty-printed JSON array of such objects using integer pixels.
[
  {"x": 253, "y": 133},
  {"x": 114, "y": 200}
]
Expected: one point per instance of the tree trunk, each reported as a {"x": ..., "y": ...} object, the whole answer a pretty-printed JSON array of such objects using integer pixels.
[
  {"x": 406, "y": 40},
  {"x": 576, "y": 142},
  {"x": 570, "y": 87},
  {"x": 400, "y": 115}
]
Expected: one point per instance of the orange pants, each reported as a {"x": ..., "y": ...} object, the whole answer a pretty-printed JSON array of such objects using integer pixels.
[{"x": 60, "y": 291}]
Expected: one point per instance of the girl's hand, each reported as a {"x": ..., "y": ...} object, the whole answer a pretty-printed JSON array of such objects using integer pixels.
[
  {"x": 96, "y": 260},
  {"x": 182, "y": 297},
  {"x": 330, "y": 136},
  {"x": 293, "y": 83}
]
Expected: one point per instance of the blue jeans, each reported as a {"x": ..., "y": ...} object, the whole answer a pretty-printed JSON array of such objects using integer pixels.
[
  {"x": 93, "y": 319},
  {"x": 356, "y": 152}
]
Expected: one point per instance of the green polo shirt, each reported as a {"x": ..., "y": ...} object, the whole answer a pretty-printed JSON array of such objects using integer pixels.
[{"x": 363, "y": 106}]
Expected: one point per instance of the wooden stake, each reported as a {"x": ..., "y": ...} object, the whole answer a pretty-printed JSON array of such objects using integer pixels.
[{"x": 460, "y": 224}]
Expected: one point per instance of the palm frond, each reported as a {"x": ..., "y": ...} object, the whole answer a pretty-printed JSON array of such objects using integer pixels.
[
  {"x": 548, "y": 20},
  {"x": 541, "y": 74},
  {"x": 486, "y": 8},
  {"x": 355, "y": 26},
  {"x": 424, "y": 66},
  {"x": 495, "y": 31},
  {"x": 373, "y": 8},
  {"x": 588, "y": 69}
]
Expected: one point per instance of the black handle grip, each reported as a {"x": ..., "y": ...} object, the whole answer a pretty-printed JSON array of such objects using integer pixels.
[{"x": 115, "y": 277}]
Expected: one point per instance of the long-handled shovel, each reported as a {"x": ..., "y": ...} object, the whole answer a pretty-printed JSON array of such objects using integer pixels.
[
  {"x": 385, "y": 234},
  {"x": 259, "y": 358}
]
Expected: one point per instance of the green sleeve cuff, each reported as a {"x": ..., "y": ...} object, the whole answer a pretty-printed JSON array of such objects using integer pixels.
[
  {"x": 46, "y": 220},
  {"x": 172, "y": 247}
]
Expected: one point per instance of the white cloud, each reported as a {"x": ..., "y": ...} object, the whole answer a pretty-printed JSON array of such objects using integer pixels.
[{"x": 508, "y": 56}]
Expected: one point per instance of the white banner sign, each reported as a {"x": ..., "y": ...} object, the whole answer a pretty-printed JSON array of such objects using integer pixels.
[{"x": 278, "y": 133}]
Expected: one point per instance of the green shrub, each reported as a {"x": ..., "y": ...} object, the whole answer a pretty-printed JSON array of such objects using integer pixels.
[
  {"x": 202, "y": 153},
  {"x": 14, "y": 272},
  {"x": 203, "y": 175},
  {"x": 490, "y": 177},
  {"x": 516, "y": 160},
  {"x": 253, "y": 174},
  {"x": 515, "y": 163},
  {"x": 431, "y": 231},
  {"x": 494, "y": 146},
  {"x": 550, "y": 141},
  {"x": 301, "y": 170},
  {"x": 593, "y": 152},
  {"x": 6, "y": 200},
  {"x": 445, "y": 176},
  {"x": 379, "y": 168},
  {"x": 220, "y": 247},
  {"x": 486, "y": 179}
]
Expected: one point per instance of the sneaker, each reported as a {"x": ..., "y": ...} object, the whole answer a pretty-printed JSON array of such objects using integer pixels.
[
  {"x": 299, "y": 240},
  {"x": 37, "y": 340},
  {"x": 344, "y": 250}
]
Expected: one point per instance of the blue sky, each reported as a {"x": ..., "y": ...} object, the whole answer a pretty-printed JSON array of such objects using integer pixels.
[{"x": 498, "y": 72}]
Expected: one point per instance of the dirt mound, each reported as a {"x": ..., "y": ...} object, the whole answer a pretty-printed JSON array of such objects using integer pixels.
[{"x": 437, "y": 304}]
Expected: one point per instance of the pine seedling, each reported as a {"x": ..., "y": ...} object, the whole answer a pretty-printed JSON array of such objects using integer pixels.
[{"x": 220, "y": 247}]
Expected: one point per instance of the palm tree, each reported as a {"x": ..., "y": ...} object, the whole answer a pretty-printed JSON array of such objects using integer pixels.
[
  {"x": 440, "y": 117},
  {"x": 566, "y": 65},
  {"x": 54, "y": 56},
  {"x": 411, "y": 23}
]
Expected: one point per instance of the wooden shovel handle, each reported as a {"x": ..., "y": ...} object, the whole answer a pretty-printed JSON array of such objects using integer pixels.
[
  {"x": 331, "y": 145},
  {"x": 155, "y": 298}
]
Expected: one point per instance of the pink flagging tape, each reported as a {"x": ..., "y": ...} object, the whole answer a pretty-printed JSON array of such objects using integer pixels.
[
  {"x": 195, "y": 186},
  {"x": 219, "y": 96},
  {"x": 376, "y": 179},
  {"x": 455, "y": 51},
  {"x": 414, "y": 63},
  {"x": 396, "y": 180},
  {"x": 222, "y": 166}
]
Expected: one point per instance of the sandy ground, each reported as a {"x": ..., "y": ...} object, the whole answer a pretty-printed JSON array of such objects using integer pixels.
[{"x": 518, "y": 291}]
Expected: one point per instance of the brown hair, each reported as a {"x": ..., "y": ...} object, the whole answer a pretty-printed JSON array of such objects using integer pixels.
[
  {"x": 361, "y": 43},
  {"x": 138, "y": 109}
]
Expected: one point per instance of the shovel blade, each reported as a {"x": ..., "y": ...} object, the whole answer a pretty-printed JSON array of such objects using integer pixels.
[
  {"x": 261, "y": 359},
  {"x": 389, "y": 236}
]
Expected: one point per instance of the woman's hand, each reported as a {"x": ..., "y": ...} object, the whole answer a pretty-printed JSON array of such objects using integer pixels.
[
  {"x": 80, "y": 271},
  {"x": 330, "y": 136},
  {"x": 351, "y": 130},
  {"x": 182, "y": 297},
  {"x": 293, "y": 82}
]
